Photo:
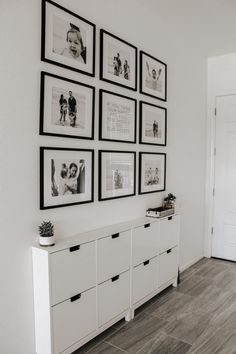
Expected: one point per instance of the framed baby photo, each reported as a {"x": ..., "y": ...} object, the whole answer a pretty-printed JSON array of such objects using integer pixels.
[
  {"x": 68, "y": 40},
  {"x": 153, "y": 77},
  {"x": 153, "y": 124},
  {"x": 117, "y": 117},
  {"x": 152, "y": 172},
  {"x": 116, "y": 174},
  {"x": 66, "y": 107},
  {"x": 118, "y": 61},
  {"x": 66, "y": 177}
]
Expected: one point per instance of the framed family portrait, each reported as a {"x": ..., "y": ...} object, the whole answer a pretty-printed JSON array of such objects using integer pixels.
[
  {"x": 116, "y": 174},
  {"x": 117, "y": 117},
  {"x": 152, "y": 172},
  {"x": 66, "y": 107},
  {"x": 153, "y": 124},
  {"x": 68, "y": 40},
  {"x": 118, "y": 61},
  {"x": 66, "y": 177},
  {"x": 153, "y": 77}
]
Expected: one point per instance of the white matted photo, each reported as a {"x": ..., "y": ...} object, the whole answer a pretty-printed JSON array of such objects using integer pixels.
[
  {"x": 66, "y": 177},
  {"x": 153, "y": 77},
  {"x": 117, "y": 117},
  {"x": 116, "y": 174},
  {"x": 67, "y": 107},
  {"x": 68, "y": 40},
  {"x": 152, "y": 172},
  {"x": 118, "y": 61},
  {"x": 153, "y": 124}
]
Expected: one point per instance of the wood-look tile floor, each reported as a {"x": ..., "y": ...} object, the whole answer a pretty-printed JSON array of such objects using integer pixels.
[{"x": 198, "y": 317}]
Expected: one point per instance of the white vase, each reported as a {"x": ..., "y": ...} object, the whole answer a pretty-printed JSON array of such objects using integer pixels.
[{"x": 47, "y": 241}]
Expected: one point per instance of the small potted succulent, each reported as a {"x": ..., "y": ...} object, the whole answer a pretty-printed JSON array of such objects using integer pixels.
[
  {"x": 46, "y": 234},
  {"x": 169, "y": 201}
]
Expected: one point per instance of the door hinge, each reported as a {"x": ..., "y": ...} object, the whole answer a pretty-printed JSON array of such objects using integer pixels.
[
  {"x": 214, "y": 151},
  {"x": 215, "y": 111},
  {"x": 212, "y": 230},
  {"x": 214, "y": 192}
]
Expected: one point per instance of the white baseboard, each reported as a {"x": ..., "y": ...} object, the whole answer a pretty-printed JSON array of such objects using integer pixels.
[{"x": 186, "y": 266}]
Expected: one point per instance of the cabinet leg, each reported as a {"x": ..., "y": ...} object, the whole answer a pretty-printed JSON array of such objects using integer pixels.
[
  {"x": 129, "y": 317},
  {"x": 175, "y": 283}
]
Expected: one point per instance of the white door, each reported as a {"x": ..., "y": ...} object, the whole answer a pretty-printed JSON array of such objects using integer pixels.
[{"x": 224, "y": 231}]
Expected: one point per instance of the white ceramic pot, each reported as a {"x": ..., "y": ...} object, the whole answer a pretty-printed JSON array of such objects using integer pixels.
[{"x": 47, "y": 241}]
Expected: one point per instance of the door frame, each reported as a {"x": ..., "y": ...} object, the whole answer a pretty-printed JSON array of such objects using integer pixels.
[{"x": 210, "y": 170}]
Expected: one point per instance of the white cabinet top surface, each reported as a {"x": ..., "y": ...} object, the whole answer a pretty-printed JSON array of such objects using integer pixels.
[{"x": 96, "y": 234}]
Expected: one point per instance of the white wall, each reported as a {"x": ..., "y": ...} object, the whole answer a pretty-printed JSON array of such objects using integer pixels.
[
  {"x": 221, "y": 81},
  {"x": 19, "y": 155}
]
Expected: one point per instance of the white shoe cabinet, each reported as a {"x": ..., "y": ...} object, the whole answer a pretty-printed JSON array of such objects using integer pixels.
[{"x": 86, "y": 283}]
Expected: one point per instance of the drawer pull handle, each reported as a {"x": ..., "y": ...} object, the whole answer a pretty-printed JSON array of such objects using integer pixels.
[
  {"x": 146, "y": 263},
  {"x": 168, "y": 251},
  {"x": 76, "y": 297},
  {"x": 74, "y": 248},
  {"x": 115, "y": 235},
  {"x": 115, "y": 278},
  {"x": 146, "y": 225},
  {"x": 170, "y": 217}
]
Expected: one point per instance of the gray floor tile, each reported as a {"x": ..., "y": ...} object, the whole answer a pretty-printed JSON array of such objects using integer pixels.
[
  {"x": 171, "y": 306},
  {"x": 164, "y": 344},
  {"x": 106, "y": 348},
  {"x": 194, "y": 286},
  {"x": 137, "y": 333},
  {"x": 189, "y": 326},
  {"x": 211, "y": 270}
]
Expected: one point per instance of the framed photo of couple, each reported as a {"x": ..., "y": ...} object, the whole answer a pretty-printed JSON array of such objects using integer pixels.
[
  {"x": 152, "y": 172},
  {"x": 68, "y": 40},
  {"x": 153, "y": 77},
  {"x": 66, "y": 107},
  {"x": 66, "y": 177},
  {"x": 118, "y": 61},
  {"x": 153, "y": 124},
  {"x": 116, "y": 174}
]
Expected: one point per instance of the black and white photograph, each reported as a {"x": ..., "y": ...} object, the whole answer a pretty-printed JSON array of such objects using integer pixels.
[
  {"x": 66, "y": 177},
  {"x": 152, "y": 172},
  {"x": 153, "y": 124},
  {"x": 66, "y": 108},
  {"x": 116, "y": 174},
  {"x": 117, "y": 117},
  {"x": 118, "y": 61},
  {"x": 153, "y": 77},
  {"x": 68, "y": 40}
]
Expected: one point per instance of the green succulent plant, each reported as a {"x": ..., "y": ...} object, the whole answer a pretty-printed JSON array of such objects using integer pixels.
[
  {"x": 46, "y": 229},
  {"x": 170, "y": 198}
]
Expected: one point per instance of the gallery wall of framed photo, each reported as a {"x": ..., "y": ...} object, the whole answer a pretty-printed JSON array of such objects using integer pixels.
[{"x": 123, "y": 99}]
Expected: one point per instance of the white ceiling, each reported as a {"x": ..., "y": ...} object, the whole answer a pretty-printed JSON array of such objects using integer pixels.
[{"x": 211, "y": 24}]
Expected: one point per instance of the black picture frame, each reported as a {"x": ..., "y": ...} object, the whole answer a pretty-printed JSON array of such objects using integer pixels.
[
  {"x": 55, "y": 166},
  {"x": 53, "y": 45},
  {"x": 116, "y": 114},
  {"x": 151, "y": 181},
  {"x": 152, "y": 124},
  {"x": 155, "y": 87},
  {"x": 124, "y": 77},
  {"x": 79, "y": 125},
  {"x": 116, "y": 184}
]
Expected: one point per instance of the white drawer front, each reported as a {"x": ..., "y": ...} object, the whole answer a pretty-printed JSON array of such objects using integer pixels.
[
  {"x": 168, "y": 266},
  {"x": 145, "y": 279},
  {"x": 169, "y": 233},
  {"x": 113, "y": 255},
  {"x": 113, "y": 298},
  {"x": 72, "y": 272},
  {"x": 145, "y": 242},
  {"x": 73, "y": 320}
]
